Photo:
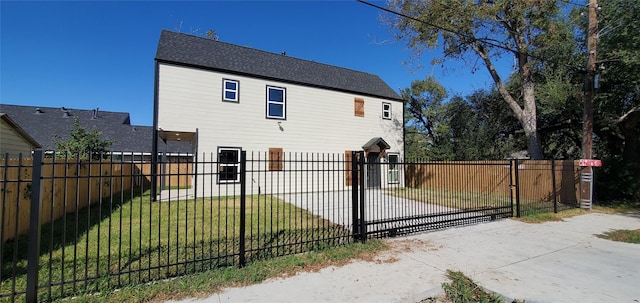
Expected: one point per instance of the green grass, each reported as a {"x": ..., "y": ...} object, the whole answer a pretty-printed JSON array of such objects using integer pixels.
[
  {"x": 461, "y": 289},
  {"x": 561, "y": 215},
  {"x": 129, "y": 243},
  {"x": 452, "y": 198},
  {"x": 622, "y": 235},
  {"x": 477, "y": 201},
  {"x": 203, "y": 284}
]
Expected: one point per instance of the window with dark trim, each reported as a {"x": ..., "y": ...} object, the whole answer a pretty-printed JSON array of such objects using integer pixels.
[
  {"x": 276, "y": 159},
  {"x": 276, "y": 102},
  {"x": 229, "y": 164},
  {"x": 393, "y": 172},
  {"x": 386, "y": 110},
  {"x": 230, "y": 90},
  {"x": 358, "y": 107}
]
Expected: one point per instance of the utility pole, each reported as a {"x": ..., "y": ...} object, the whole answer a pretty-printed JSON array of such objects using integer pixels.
[{"x": 586, "y": 197}]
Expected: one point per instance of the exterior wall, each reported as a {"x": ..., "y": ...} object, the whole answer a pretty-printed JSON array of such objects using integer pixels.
[
  {"x": 12, "y": 142},
  {"x": 317, "y": 120}
]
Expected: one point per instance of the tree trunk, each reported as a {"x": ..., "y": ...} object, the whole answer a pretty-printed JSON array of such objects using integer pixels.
[{"x": 527, "y": 115}]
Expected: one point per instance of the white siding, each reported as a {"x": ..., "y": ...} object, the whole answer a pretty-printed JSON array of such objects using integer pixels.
[
  {"x": 317, "y": 120},
  {"x": 12, "y": 142}
]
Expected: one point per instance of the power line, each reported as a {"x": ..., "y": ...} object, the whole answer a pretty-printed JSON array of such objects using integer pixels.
[{"x": 464, "y": 35}]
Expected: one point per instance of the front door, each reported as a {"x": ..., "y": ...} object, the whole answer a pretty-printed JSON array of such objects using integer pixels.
[{"x": 373, "y": 170}]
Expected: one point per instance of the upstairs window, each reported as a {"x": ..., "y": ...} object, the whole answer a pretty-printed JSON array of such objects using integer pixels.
[
  {"x": 230, "y": 90},
  {"x": 276, "y": 102},
  {"x": 386, "y": 110},
  {"x": 228, "y": 164},
  {"x": 358, "y": 107}
]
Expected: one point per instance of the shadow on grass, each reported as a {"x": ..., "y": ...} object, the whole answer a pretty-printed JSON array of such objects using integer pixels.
[{"x": 69, "y": 228}]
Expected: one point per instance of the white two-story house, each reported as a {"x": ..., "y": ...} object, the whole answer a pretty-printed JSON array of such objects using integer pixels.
[{"x": 227, "y": 98}]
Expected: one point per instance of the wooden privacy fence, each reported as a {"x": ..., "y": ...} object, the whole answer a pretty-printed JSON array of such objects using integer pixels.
[
  {"x": 66, "y": 187},
  {"x": 70, "y": 185},
  {"x": 539, "y": 180},
  {"x": 172, "y": 174}
]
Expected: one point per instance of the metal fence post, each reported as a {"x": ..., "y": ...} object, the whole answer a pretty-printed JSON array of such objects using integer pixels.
[
  {"x": 33, "y": 248},
  {"x": 555, "y": 190},
  {"x": 517, "y": 185},
  {"x": 363, "y": 224},
  {"x": 354, "y": 195},
  {"x": 243, "y": 206}
]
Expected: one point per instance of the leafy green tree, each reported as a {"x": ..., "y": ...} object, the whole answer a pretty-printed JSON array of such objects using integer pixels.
[
  {"x": 426, "y": 132},
  {"x": 617, "y": 103},
  {"x": 485, "y": 31},
  {"x": 482, "y": 128},
  {"x": 477, "y": 127},
  {"x": 83, "y": 143}
]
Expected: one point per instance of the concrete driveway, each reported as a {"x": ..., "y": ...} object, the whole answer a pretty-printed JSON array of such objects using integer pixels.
[
  {"x": 336, "y": 206},
  {"x": 549, "y": 262}
]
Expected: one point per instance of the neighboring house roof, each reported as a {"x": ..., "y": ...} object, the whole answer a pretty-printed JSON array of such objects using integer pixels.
[
  {"x": 15, "y": 126},
  {"x": 45, "y": 124},
  {"x": 183, "y": 49}
]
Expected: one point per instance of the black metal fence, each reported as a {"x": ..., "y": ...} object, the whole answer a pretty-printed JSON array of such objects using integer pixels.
[{"x": 102, "y": 228}]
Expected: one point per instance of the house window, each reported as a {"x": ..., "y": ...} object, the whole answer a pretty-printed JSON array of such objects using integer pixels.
[
  {"x": 276, "y": 102},
  {"x": 228, "y": 164},
  {"x": 276, "y": 159},
  {"x": 393, "y": 160},
  {"x": 386, "y": 110},
  {"x": 358, "y": 107},
  {"x": 230, "y": 90}
]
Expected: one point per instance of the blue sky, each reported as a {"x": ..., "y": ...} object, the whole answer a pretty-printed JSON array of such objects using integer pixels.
[{"x": 87, "y": 54}]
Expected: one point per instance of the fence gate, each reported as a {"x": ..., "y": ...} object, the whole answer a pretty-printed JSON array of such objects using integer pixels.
[{"x": 426, "y": 195}]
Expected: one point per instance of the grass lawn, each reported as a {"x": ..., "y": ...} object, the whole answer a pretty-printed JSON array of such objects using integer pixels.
[
  {"x": 115, "y": 244},
  {"x": 476, "y": 200},
  {"x": 204, "y": 284},
  {"x": 622, "y": 235}
]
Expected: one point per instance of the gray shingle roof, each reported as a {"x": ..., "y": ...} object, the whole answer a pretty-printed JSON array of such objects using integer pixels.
[
  {"x": 195, "y": 51},
  {"x": 45, "y": 123}
]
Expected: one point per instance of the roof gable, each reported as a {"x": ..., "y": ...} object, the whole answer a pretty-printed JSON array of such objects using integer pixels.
[
  {"x": 18, "y": 129},
  {"x": 205, "y": 53}
]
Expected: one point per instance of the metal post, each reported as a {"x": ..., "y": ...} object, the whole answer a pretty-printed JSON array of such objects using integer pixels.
[
  {"x": 33, "y": 248},
  {"x": 511, "y": 185},
  {"x": 587, "y": 183},
  {"x": 243, "y": 206},
  {"x": 354, "y": 195},
  {"x": 363, "y": 223},
  {"x": 517, "y": 185},
  {"x": 555, "y": 190}
]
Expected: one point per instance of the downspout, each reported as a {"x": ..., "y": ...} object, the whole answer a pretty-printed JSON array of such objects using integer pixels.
[{"x": 154, "y": 148}]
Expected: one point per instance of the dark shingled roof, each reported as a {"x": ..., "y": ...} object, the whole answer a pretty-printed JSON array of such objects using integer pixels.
[
  {"x": 45, "y": 123},
  {"x": 205, "y": 53}
]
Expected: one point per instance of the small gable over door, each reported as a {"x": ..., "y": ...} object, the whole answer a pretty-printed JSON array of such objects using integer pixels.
[{"x": 376, "y": 145}]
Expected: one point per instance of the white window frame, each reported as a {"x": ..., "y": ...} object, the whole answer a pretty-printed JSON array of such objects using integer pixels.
[
  {"x": 222, "y": 165},
  {"x": 235, "y": 91},
  {"x": 386, "y": 113},
  {"x": 393, "y": 171},
  {"x": 284, "y": 102}
]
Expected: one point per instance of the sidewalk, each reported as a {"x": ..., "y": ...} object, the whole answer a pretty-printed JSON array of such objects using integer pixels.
[{"x": 549, "y": 262}]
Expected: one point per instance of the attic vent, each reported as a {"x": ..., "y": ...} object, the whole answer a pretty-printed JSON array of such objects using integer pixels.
[
  {"x": 284, "y": 53},
  {"x": 66, "y": 114},
  {"x": 95, "y": 114},
  {"x": 39, "y": 111}
]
